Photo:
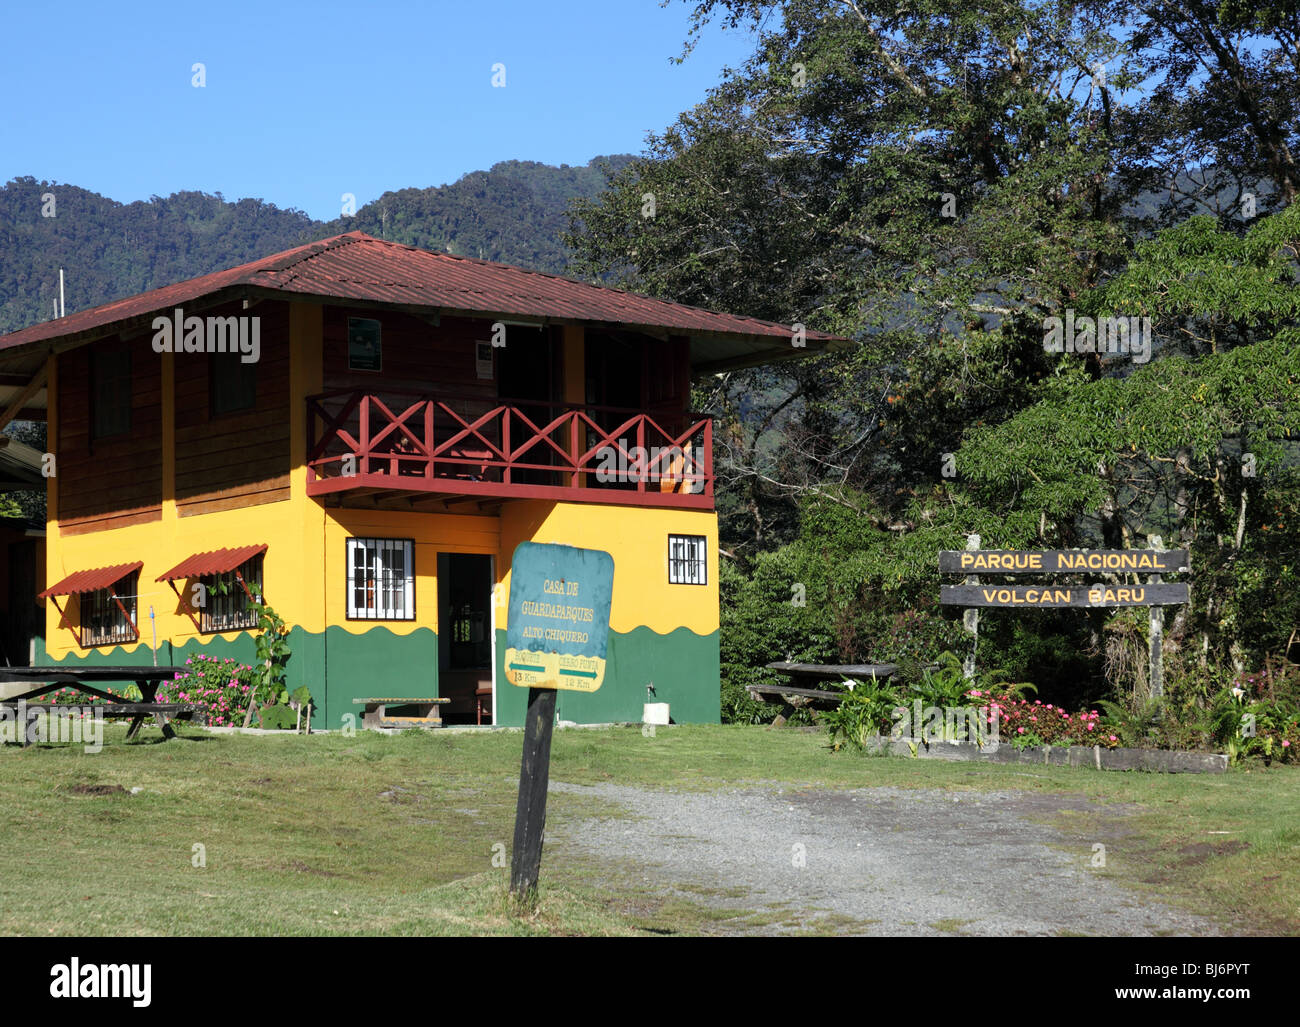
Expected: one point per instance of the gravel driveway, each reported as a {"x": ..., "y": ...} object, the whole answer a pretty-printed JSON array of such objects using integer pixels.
[{"x": 878, "y": 861}]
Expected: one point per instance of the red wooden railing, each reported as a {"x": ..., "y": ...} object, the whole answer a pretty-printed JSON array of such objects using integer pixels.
[{"x": 410, "y": 441}]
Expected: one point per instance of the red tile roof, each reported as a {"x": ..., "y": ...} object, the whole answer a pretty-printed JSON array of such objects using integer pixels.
[
  {"x": 218, "y": 561},
  {"x": 356, "y": 266},
  {"x": 90, "y": 581}
]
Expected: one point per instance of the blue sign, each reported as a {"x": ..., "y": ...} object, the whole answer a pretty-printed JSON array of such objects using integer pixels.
[{"x": 558, "y": 620}]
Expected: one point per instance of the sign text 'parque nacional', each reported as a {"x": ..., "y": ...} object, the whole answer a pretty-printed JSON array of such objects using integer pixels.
[
  {"x": 1064, "y": 561},
  {"x": 974, "y": 562},
  {"x": 558, "y": 617}
]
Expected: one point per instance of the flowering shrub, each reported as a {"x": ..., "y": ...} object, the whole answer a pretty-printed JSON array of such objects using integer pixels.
[
  {"x": 75, "y": 697},
  {"x": 1024, "y": 723},
  {"x": 222, "y": 685}
]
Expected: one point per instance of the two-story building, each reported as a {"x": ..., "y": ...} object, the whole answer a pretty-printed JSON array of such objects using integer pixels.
[{"x": 366, "y": 431}]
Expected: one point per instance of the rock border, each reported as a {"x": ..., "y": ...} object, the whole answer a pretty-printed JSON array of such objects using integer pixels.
[{"x": 1168, "y": 761}]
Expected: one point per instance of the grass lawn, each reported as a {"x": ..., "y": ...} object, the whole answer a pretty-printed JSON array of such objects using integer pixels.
[{"x": 378, "y": 834}]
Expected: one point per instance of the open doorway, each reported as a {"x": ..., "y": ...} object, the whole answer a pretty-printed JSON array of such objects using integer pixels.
[{"x": 465, "y": 637}]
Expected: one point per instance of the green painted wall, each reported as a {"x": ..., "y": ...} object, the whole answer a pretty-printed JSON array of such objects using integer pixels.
[
  {"x": 376, "y": 663},
  {"x": 306, "y": 664},
  {"x": 683, "y": 666}
]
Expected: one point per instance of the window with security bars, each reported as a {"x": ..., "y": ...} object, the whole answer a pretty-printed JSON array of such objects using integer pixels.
[
  {"x": 226, "y": 604},
  {"x": 108, "y": 614},
  {"x": 381, "y": 579},
  {"x": 686, "y": 560}
]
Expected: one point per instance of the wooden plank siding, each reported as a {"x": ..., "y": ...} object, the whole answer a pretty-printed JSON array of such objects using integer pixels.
[
  {"x": 114, "y": 481},
  {"x": 416, "y": 354},
  {"x": 237, "y": 459}
]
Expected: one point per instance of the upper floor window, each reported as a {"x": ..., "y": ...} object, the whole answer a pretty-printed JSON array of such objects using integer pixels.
[
  {"x": 108, "y": 614},
  {"x": 110, "y": 392},
  {"x": 233, "y": 383},
  {"x": 229, "y": 596},
  {"x": 381, "y": 579}
]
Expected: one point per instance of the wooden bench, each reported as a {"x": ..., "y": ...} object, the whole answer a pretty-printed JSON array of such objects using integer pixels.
[
  {"x": 800, "y": 694},
  {"x": 376, "y": 711}
]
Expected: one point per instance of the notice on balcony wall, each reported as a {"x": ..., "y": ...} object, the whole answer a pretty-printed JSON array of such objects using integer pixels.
[
  {"x": 365, "y": 352},
  {"x": 558, "y": 617}
]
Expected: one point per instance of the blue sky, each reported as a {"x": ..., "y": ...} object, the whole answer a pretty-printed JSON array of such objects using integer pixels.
[{"x": 305, "y": 102}]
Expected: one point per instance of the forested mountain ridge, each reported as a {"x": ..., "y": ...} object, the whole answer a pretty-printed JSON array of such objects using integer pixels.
[{"x": 514, "y": 213}]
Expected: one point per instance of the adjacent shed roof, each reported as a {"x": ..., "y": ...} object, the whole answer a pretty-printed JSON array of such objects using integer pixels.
[
  {"x": 358, "y": 267},
  {"x": 90, "y": 581},
  {"x": 217, "y": 561},
  {"x": 20, "y": 466}
]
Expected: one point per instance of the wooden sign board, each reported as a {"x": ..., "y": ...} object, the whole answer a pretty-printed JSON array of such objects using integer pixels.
[
  {"x": 559, "y": 617},
  {"x": 1064, "y": 561},
  {"x": 1046, "y": 596}
]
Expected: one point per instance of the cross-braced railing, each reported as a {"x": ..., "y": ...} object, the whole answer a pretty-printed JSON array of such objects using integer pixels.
[{"x": 416, "y": 442}]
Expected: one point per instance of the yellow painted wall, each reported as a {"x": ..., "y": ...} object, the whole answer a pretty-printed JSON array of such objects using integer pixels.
[
  {"x": 305, "y": 566},
  {"x": 291, "y": 568},
  {"x": 637, "y": 538}
]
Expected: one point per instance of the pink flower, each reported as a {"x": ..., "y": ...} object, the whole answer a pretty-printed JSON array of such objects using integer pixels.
[
  {"x": 1091, "y": 726},
  {"x": 1286, "y": 745},
  {"x": 1113, "y": 738},
  {"x": 1020, "y": 730}
]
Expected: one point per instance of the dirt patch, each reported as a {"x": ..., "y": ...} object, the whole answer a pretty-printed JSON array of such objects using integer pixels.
[
  {"x": 303, "y": 868},
  {"x": 97, "y": 790},
  {"x": 1202, "y": 851}
]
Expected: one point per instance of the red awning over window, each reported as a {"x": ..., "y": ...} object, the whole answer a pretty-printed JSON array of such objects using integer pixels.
[
  {"x": 219, "y": 561},
  {"x": 91, "y": 581}
]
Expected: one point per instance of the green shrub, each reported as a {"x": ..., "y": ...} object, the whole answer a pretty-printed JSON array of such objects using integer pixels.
[
  {"x": 277, "y": 717},
  {"x": 867, "y": 709}
]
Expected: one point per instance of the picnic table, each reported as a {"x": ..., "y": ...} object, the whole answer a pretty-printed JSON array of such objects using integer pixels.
[
  {"x": 147, "y": 679},
  {"x": 805, "y": 678}
]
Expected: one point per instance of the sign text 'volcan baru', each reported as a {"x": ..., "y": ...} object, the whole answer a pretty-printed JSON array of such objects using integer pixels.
[
  {"x": 558, "y": 617},
  {"x": 1064, "y": 595}
]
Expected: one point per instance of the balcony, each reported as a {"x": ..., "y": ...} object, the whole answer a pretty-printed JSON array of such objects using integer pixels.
[{"x": 392, "y": 444}]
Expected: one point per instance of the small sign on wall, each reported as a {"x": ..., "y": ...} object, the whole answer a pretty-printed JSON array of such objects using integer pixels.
[
  {"x": 483, "y": 359},
  {"x": 365, "y": 347}
]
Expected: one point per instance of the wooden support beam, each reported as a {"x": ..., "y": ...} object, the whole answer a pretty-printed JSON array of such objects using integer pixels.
[{"x": 20, "y": 400}]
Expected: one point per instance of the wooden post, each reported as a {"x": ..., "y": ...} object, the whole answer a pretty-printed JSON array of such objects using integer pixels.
[
  {"x": 534, "y": 775},
  {"x": 970, "y": 617},
  {"x": 1155, "y": 664}
]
